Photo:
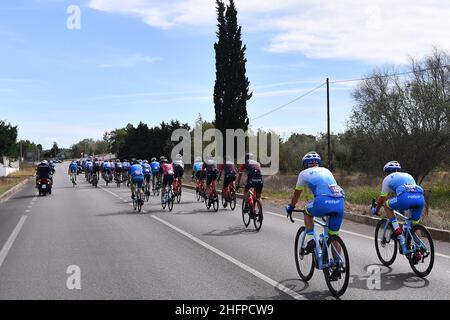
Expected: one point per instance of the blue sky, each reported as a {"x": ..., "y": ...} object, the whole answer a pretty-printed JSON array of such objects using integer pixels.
[{"x": 144, "y": 60}]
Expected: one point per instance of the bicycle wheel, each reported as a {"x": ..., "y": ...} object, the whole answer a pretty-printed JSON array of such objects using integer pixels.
[
  {"x": 139, "y": 202},
  {"x": 179, "y": 196},
  {"x": 216, "y": 203},
  {"x": 232, "y": 199},
  {"x": 385, "y": 242},
  {"x": 163, "y": 200},
  {"x": 170, "y": 200},
  {"x": 245, "y": 215},
  {"x": 134, "y": 203},
  {"x": 258, "y": 220},
  {"x": 197, "y": 194},
  {"x": 224, "y": 201},
  {"x": 422, "y": 242},
  {"x": 338, "y": 276},
  {"x": 207, "y": 200},
  {"x": 304, "y": 262}
]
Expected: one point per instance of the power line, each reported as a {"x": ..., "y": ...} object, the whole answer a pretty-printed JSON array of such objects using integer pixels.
[
  {"x": 342, "y": 81},
  {"x": 290, "y": 102},
  {"x": 391, "y": 75}
]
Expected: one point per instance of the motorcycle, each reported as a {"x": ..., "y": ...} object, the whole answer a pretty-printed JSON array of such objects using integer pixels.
[{"x": 44, "y": 186}]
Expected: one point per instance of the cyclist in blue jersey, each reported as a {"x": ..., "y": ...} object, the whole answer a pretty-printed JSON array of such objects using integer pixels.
[
  {"x": 135, "y": 176},
  {"x": 106, "y": 170},
  {"x": 147, "y": 175},
  {"x": 72, "y": 172},
  {"x": 197, "y": 169},
  {"x": 156, "y": 177},
  {"x": 329, "y": 198},
  {"x": 407, "y": 196}
]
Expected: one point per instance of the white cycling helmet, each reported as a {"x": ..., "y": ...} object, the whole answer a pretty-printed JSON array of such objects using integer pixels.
[
  {"x": 392, "y": 166},
  {"x": 311, "y": 157}
]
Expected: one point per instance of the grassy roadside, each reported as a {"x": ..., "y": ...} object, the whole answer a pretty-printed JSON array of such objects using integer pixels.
[{"x": 15, "y": 178}]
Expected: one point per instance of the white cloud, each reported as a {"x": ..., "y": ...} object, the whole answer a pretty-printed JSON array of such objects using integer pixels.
[
  {"x": 375, "y": 30},
  {"x": 130, "y": 61}
]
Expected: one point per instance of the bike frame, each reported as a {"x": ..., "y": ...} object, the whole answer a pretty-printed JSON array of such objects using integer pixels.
[
  {"x": 318, "y": 252},
  {"x": 228, "y": 189},
  {"x": 406, "y": 227}
]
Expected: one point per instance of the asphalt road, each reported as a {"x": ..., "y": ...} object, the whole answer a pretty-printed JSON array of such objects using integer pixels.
[{"x": 190, "y": 253}]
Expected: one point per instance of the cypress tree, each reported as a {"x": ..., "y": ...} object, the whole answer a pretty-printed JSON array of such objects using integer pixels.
[{"x": 231, "y": 90}]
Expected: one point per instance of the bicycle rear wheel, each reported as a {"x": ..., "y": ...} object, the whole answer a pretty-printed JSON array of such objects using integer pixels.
[
  {"x": 338, "y": 275},
  {"x": 216, "y": 203},
  {"x": 423, "y": 243},
  {"x": 224, "y": 200},
  {"x": 245, "y": 215},
  {"x": 170, "y": 200},
  {"x": 304, "y": 262},
  {"x": 258, "y": 220},
  {"x": 164, "y": 200},
  {"x": 232, "y": 199},
  {"x": 139, "y": 202},
  {"x": 179, "y": 196},
  {"x": 385, "y": 242}
]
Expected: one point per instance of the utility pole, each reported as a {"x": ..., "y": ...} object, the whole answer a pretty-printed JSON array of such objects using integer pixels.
[{"x": 328, "y": 125}]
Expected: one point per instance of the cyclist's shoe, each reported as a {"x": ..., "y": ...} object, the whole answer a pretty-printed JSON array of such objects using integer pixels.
[
  {"x": 416, "y": 257},
  {"x": 398, "y": 232},
  {"x": 335, "y": 273},
  {"x": 132, "y": 196},
  {"x": 310, "y": 246}
]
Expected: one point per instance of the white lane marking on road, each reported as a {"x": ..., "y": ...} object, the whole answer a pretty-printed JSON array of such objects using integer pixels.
[
  {"x": 241, "y": 265},
  {"x": 7, "y": 246},
  {"x": 27, "y": 211}
]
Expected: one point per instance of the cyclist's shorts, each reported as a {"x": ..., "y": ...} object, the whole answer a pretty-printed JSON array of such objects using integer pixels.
[
  {"x": 139, "y": 180},
  {"x": 229, "y": 177},
  {"x": 155, "y": 173},
  {"x": 178, "y": 171},
  {"x": 147, "y": 177},
  {"x": 118, "y": 170},
  {"x": 200, "y": 175},
  {"x": 73, "y": 170},
  {"x": 406, "y": 201},
  {"x": 254, "y": 182},
  {"x": 167, "y": 180},
  {"x": 211, "y": 176},
  {"x": 328, "y": 206}
]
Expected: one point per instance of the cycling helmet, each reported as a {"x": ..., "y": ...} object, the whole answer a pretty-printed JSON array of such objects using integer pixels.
[
  {"x": 392, "y": 166},
  {"x": 145, "y": 161},
  {"x": 198, "y": 159},
  {"x": 311, "y": 157},
  {"x": 178, "y": 157},
  {"x": 134, "y": 161},
  {"x": 44, "y": 162},
  {"x": 162, "y": 158},
  {"x": 153, "y": 159},
  {"x": 249, "y": 156}
]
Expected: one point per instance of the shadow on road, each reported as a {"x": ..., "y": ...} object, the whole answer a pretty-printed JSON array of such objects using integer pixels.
[
  {"x": 121, "y": 213},
  {"x": 298, "y": 286},
  {"x": 386, "y": 280},
  {"x": 24, "y": 197},
  {"x": 231, "y": 231}
]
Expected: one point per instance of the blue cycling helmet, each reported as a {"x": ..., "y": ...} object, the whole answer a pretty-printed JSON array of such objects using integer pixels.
[
  {"x": 310, "y": 158},
  {"x": 392, "y": 166}
]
